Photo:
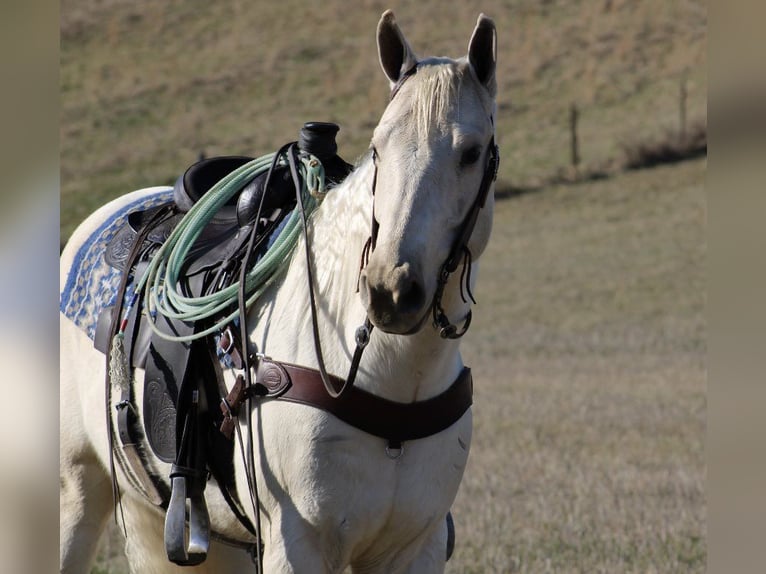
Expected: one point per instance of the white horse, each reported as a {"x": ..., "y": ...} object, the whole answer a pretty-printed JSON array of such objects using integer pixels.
[{"x": 330, "y": 495}]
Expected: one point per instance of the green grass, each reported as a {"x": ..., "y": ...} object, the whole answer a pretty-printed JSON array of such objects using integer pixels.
[{"x": 588, "y": 344}]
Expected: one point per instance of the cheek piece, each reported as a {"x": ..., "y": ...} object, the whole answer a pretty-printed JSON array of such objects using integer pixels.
[{"x": 459, "y": 251}]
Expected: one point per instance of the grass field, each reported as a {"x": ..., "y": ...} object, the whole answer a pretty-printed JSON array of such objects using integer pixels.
[
  {"x": 146, "y": 86},
  {"x": 589, "y": 339},
  {"x": 588, "y": 349},
  {"x": 589, "y": 354}
]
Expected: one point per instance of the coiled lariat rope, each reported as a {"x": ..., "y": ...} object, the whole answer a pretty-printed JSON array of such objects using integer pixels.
[{"x": 162, "y": 280}]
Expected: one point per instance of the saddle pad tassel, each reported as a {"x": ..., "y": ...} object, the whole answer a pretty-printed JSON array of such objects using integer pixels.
[
  {"x": 119, "y": 367},
  {"x": 119, "y": 371}
]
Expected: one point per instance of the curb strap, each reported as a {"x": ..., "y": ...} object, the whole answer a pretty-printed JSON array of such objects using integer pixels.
[{"x": 446, "y": 329}]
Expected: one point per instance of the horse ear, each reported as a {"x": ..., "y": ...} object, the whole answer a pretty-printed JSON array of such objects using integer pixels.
[
  {"x": 396, "y": 56},
  {"x": 482, "y": 52}
]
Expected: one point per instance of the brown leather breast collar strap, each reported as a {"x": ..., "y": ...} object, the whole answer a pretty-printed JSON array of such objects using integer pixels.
[{"x": 396, "y": 422}]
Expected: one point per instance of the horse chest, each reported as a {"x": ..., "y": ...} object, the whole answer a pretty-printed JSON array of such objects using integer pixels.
[{"x": 340, "y": 480}]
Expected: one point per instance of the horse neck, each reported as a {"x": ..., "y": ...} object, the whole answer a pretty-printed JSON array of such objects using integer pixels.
[{"x": 399, "y": 368}]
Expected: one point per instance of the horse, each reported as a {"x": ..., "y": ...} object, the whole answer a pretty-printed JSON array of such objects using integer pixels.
[{"x": 328, "y": 495}]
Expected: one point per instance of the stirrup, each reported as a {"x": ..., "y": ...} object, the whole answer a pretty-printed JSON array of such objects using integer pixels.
[{"x": 175, "y": 526}]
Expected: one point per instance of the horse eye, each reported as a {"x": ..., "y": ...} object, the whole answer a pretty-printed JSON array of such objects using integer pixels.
[{"x": 470, "y": 156}]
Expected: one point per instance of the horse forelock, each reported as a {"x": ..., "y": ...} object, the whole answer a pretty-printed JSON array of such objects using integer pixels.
[{"x": 438, "y": 88}]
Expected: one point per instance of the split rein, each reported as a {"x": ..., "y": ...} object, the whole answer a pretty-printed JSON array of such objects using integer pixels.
[{"x": 447, "y": 330}]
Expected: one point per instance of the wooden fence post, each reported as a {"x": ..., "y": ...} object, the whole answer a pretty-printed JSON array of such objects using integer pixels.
[
  {"x": 682, "y": 97},
  {"x": 574, "y": 114}
]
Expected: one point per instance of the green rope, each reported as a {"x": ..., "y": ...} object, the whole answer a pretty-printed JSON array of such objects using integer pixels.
[{"x": 163, "y": 277}]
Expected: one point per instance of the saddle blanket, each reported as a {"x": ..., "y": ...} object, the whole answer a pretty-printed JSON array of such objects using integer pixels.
[{"x": 92, "y": 283}]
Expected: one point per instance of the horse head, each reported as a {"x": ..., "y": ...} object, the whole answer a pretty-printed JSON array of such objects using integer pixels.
[{"x": 432, "y": 150}]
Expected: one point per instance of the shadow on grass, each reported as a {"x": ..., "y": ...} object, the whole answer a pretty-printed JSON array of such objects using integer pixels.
[
  {"x": 668, "y": 149},
  {"x": 672, "y": 148}
]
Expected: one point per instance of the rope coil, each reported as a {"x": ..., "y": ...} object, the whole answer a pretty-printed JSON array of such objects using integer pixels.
[{"x": 162, "y": 281}]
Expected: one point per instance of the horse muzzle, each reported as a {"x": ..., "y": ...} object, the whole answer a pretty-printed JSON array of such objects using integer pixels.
[{"x": 395, "y": 298}]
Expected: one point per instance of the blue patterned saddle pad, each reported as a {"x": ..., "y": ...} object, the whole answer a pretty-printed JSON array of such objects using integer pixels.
[{"x": 92, "y": 283}]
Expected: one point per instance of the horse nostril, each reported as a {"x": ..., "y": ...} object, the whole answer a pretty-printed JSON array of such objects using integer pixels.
[
  {"x": 378, "y": 296},
  {"x": 393, "y": 297},
  {"x": 410, "y": 297}
]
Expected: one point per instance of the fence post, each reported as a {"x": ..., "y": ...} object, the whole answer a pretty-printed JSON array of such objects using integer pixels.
[
  {"x": 682, "y": 96},
  {"x": 574, "y": 115}
]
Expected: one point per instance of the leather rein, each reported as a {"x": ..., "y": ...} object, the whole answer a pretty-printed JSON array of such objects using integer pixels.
[
  {"x": 395, "y": 422},
  {"x": 335, "y": 387}
]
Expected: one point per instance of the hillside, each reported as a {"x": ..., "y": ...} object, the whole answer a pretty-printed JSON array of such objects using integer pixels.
[
  {"x": 147, "y": 86},
  {"x": 589, "y": 338}
]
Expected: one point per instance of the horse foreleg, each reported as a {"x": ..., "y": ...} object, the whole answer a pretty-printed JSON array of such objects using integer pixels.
[
  {"x": 425, "y": 555},
  {"x": 292, "y": 546},
  {"x": 85, "y": 505},
  {"x": 432, "y": 557},
  {"x": 145, "y": 545}
]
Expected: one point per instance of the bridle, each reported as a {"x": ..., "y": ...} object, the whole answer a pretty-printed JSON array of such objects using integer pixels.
[{"x": 459, "y": 251}]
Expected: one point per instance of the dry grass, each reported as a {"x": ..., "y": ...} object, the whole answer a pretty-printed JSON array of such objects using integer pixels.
[
  {"x": 145, "y": 86},
  {"x": 589, "y": 339},
  {"x": 589, "y": 355}
]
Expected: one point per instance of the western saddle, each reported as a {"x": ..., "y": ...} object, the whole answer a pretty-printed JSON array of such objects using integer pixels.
[{"x": 183, "y": 381}]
